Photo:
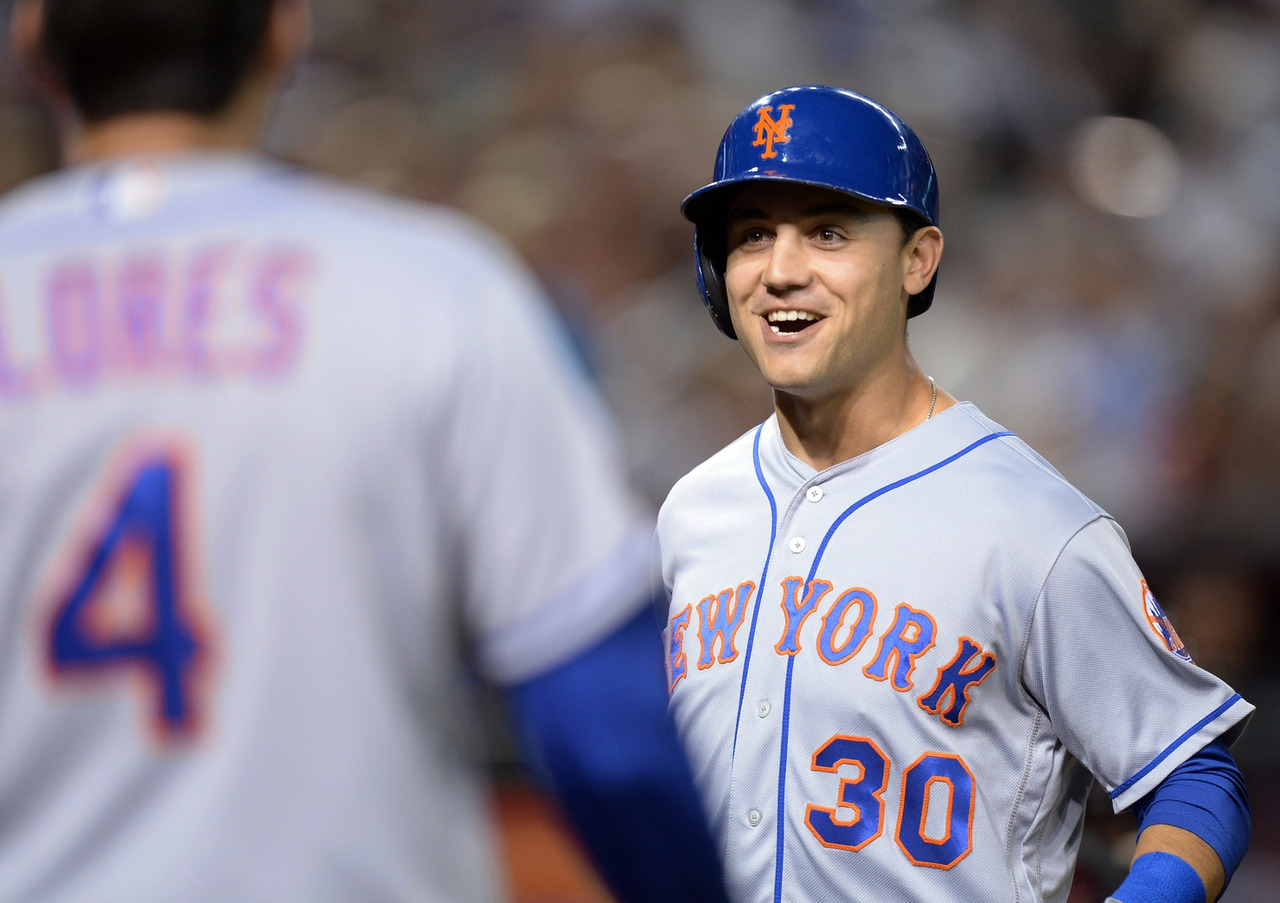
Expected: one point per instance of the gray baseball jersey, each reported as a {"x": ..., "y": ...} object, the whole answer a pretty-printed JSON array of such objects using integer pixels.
[
  {"x": 269, "y": 447},
  {"x": 896, "y": 677}
]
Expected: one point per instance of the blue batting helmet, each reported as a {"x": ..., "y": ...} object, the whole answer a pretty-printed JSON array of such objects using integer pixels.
[{"x": 811, "y": 135}]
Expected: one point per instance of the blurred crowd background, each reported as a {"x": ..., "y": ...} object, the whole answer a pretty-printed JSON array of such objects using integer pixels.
[{"x": 1110, "y": 181}]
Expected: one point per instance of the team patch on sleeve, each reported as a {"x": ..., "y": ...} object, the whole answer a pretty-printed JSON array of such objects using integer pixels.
[{"x": 1160, "y": 623}]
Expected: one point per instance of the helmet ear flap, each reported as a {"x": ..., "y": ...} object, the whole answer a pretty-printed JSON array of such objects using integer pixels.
[{"x": 711, "y": 283}]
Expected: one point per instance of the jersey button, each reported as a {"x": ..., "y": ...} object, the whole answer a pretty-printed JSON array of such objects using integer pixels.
[
  {"x": 814, "y": 494},
  {"x": 754, "y": 817},
  {"x": 763, "y": 708},
  {"x": 797, "y": 544}
]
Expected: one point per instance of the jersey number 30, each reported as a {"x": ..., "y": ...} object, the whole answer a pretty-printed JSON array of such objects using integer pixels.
[
  {"x": 126, "y": 606},
  {"x": 932, "y": 831}
]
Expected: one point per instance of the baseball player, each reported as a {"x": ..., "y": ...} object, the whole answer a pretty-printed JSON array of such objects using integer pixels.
[
  {"x": 900, "y": 645},
  {"x": 270, "y": 449}
]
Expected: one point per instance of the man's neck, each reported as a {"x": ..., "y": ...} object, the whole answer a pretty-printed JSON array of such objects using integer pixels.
[
  {"x": 148, "y": 133},
  {"x": 825, "y": 432},
  {"x": 172, "y": 132}
]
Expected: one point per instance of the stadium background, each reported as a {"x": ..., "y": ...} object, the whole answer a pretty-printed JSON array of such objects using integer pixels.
[{"x": 1110, "y": 175}]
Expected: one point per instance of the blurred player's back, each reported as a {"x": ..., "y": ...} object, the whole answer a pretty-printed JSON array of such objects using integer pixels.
[
  {"x": 245, "y": 424},
  {"x": 285, "y": 469}
]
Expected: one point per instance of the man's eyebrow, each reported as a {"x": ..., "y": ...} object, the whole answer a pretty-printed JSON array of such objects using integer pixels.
[{"x": 747, "y": 213}]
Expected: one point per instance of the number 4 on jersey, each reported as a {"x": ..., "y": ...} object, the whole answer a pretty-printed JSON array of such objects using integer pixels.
[{"x": 127, "y": 604}]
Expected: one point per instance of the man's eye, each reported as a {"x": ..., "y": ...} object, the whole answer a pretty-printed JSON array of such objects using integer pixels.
[
  {"x": 828, "y": 235},
  {"x": 752, "y": 236}
]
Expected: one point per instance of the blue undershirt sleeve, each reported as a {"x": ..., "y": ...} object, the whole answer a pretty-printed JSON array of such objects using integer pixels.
[
  {"x": 1206, "y": 796},
  {"x": 596, "y": 730}
]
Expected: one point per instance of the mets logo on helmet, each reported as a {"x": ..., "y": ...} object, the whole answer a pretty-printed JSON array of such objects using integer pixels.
[
  {"x": 770, "y": 131},
  {"x": 1159, "y": 622}
]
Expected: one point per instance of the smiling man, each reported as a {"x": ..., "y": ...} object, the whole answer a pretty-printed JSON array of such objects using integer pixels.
[
  {"x": 813, "y": 274},
  {"x": 900, "y": 645}
]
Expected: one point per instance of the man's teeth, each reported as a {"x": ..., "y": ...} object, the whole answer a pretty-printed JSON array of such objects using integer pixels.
[
  {"x": 794, "y": 320},
  {"x": 777, "y": 316}
]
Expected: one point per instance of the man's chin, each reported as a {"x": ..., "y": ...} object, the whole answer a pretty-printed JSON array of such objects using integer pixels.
[{"x": 797, "y": 388}]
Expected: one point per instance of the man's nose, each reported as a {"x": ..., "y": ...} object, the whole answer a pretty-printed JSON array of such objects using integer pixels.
[{"x": 788, "y": 265}]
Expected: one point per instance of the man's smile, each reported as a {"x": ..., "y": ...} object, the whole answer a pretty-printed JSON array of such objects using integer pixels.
[{"x": 789, "y": 322}]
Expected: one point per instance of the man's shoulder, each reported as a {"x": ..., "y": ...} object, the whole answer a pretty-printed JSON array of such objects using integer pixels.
[
  {"x": 201, "y": 193},
  {"x": 1014, "y": 479},
  {"x": 404, "y": 216},
  {"x": 402, "y": 231}
]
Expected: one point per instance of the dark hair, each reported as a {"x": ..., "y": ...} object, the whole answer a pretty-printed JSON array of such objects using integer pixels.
[
  {"x": 910, "y": 222},
  {"x": 116, "y": 57}
]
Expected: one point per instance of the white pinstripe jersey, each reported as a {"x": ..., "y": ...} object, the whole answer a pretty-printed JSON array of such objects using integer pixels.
[
  {"x": 268, "y": 447},
  {"x": 895, "y": 677}
]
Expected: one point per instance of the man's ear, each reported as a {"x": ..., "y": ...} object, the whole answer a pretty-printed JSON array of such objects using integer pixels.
[
  {"x": 922, "y": 254},
  {"x": 26, "y": 27},
  {"x": 288, "y": 34}
]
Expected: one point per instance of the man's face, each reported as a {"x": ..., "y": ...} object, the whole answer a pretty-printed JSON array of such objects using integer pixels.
[{"x": 815, "y": 281}]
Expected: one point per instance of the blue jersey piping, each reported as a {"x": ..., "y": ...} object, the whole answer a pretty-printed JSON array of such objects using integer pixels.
[
  {"x": 1175, "y": 744},
  {"x": 764, "y": 575},
  {"x": 817, "y": 559}
]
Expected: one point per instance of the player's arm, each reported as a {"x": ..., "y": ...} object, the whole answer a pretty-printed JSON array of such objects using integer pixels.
[
  {"x": 598, "y": 733},
  {"x": 1193, "y": 832},
  {"x": 555, "y": 555}
]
